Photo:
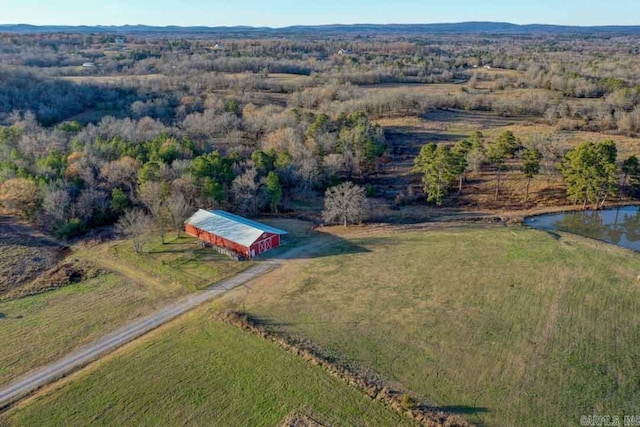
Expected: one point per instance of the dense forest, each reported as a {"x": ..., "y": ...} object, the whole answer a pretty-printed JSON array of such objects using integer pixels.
[{"x": 95, "y": 124}]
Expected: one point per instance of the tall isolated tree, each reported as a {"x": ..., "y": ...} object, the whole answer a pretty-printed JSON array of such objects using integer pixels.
[
  {"x": 590, "y": 172},
  {"x": 531, "y": 159},
  {"x": 438, "y": 167},
  {"x": 178, "y": 209},
  {"x": 345, "y": 204},
  {"x": 135, "y": 224},
  {"x": 476, "y": 155},
  {"x": 552, "y": 153},
  {"x": 154, "y": 196}
]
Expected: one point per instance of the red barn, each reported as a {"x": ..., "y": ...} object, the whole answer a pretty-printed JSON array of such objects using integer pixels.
[{"x": 241, "y": 235}]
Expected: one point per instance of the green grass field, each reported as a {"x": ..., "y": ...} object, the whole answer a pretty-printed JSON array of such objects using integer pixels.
[
  {"x": 180, "y": 261},
  {"x": 507, "y": 326},
  {"x": 199, "y": 371},
  {"x": 39, "y": 329}
]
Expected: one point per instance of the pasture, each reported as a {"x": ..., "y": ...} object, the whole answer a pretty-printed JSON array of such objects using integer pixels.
[
  {"x": 180, "y": 261},
  {"x": 40, "y": 328},
  {"x": 506, "y": 326},
  {"x": 198, "y": 370}
]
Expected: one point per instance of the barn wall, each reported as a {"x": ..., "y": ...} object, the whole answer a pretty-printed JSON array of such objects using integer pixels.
[
  {"x": 216, "y": 240},
  {"x": 259, "y": 246},
  {"x": 266, "y": 242}
]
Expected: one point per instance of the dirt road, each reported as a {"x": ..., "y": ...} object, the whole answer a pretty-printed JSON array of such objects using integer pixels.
[
  {"x": 10, "y": 393},
  {"x": 32, "y": 381}
]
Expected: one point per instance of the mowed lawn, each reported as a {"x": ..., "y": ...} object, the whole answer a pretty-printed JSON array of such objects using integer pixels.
[
  {"x": 507, "y": 326},
  {"x": 200, "y": 371},
  {"x": 39, "y": 329}
]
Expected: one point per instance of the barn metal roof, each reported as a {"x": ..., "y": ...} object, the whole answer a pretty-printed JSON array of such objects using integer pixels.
[{"x": 231, "y": 227}]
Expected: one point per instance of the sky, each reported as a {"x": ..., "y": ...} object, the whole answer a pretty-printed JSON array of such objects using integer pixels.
[{"x": 279, "y": 13}]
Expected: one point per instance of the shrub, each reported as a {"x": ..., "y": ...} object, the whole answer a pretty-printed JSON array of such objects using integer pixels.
[
  {"x": 371, "y": 190},
  {"x": 69, "y": 229},
  {"x": 407, "y": 402}
]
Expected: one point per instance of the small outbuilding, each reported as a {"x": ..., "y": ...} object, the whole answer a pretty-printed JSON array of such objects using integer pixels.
[{"x": 234, "y": 233}]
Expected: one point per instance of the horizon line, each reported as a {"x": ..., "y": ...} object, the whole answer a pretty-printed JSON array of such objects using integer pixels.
[{"x": 319, "y": 25}]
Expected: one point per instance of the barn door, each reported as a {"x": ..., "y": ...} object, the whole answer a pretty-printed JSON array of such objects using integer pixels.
[{"x": 265, "y": 245}]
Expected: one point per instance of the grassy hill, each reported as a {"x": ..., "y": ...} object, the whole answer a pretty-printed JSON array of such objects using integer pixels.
[
  {"x": 508, "y": 326},
  {"x": 505, "y": 326}
]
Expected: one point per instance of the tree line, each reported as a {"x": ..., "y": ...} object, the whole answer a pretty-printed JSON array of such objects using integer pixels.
[
  {"x": 590, "y": 171},
  {"x": 71, "y": 178}
]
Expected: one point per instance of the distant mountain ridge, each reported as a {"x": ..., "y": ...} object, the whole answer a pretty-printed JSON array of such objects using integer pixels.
[{"x": 461, "y": 27}]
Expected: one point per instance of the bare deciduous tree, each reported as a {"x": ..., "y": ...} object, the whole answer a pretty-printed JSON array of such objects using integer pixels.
[
  {"x": 246, "y": 192},
  {"x": 135, "y": 224},
  {"x": 153, "y": 195},
  {"x": 345, "y": 203},
  {"x": 90, "y": 203},
  {"x": 121, "y": 173},
  {"x": 179, "y": 210},
  {"x": 56, "y": 202}
]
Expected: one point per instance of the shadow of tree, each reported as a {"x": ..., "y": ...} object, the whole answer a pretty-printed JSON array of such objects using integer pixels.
[
  {"x": 15, "y": 233},
  {"x": 468, "y": 412},
  {"x": 463, "y": 409},
  {"x": 552, "y": 194}
]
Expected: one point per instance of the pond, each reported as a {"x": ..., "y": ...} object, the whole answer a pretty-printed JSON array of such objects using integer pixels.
[{"x": 620, "y": 226}]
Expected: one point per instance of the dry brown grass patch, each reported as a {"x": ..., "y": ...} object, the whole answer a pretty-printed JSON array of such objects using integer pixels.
[
  {"x": 298, "y": 419},
  {"x": 65, "y": 273}
]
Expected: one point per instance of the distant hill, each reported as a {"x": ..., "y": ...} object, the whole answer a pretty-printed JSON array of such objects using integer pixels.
[{"x": 462, "y": 27}]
